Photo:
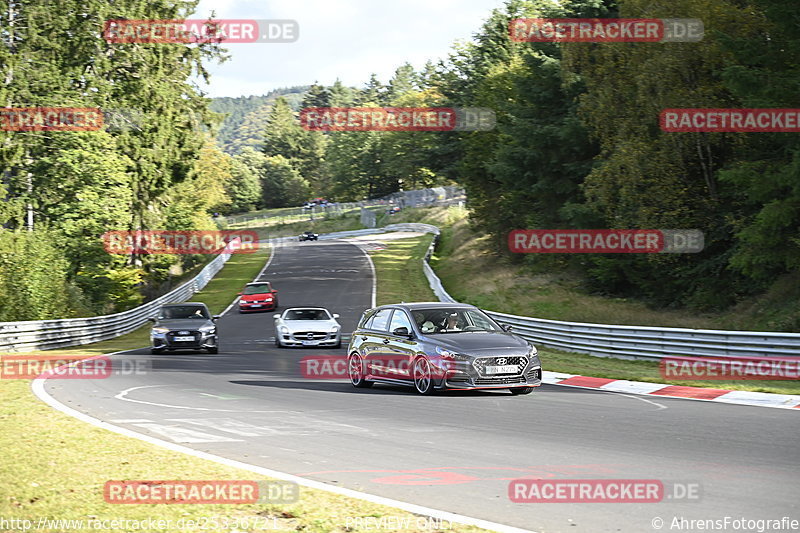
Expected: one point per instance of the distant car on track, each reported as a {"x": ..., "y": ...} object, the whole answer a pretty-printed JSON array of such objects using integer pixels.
[
  {"x": 307, "y": 326},
  {"x": 309, "y": 236},
  {"x": 437, "y": 345},
  {"x": 258, "y": 296},
  {"x": 184, "y": 326}
]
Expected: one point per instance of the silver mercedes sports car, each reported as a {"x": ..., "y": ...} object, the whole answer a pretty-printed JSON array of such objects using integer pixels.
[{"x": 307, "y": 326}]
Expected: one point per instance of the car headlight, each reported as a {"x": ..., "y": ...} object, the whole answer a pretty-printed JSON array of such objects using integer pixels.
[
  {"x": 532, "y": 351},
  {"x": 335, "y": 329},
  {"x": 284, "y": 330},
  {"x": 208, "y": 329},
  {"x": 160, "y": 329},
  {"x": 447, "y": 354}
]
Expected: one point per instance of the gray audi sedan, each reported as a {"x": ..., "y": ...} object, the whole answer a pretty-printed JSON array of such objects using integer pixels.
[
  {"x": 184, "y": 326},
  {"x": 437, "y": 345}
]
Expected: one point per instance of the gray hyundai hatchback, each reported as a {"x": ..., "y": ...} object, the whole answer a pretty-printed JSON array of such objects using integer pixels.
[{"x": 434, "y": 346}]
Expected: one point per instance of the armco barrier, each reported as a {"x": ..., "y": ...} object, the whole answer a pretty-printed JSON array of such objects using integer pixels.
[
  {"x": 49, "y": 334},
  {"x": 635, "y": 342}
]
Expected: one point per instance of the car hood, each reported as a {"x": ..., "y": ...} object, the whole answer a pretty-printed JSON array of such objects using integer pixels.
[
  {"x": 183, "y": 323},
  {"x": 309, "y": 325},
  {"x": 481, "y": 342}
]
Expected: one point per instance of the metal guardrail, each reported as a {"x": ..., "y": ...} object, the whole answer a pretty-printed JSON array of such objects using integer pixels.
[
  {"x": 32, "y": 335},
  {"x": 635, "y": 342}
]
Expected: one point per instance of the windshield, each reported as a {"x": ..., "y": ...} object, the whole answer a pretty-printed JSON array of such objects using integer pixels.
[
  {"x": 257, "y": 289},
  {"x": 443, "y": 320},
  {"x": 183, "y": 311},
  {"x": 306, "y": 314}
]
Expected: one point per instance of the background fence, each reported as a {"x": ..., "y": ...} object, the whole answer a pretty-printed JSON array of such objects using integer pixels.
[{"x": 448, "y": 195}]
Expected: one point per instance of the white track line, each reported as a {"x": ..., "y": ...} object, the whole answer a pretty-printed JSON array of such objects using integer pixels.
[
  {"x": 39, "y": 390},
  {"x": 374, "y": 275}
]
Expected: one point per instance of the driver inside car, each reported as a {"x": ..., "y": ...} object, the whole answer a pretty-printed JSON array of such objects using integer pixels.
[{"x": 451, "y": 323}]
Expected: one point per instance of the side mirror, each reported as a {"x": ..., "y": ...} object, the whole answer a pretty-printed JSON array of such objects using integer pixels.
[
  {"x": 505, "y": 327},
  {"x": 276, "y": 316},
  {"x": 274, "y": 291},
  {"x": 216, "y": 317},
  {"x": 238, "y": 294},
  {"x": 151, "y": 319},
  {"x": 335, "y": 315},
  {"x": 401, "y": 332}
]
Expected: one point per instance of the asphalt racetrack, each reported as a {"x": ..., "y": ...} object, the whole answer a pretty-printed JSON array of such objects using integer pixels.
[{"x": 454, "y": 451}]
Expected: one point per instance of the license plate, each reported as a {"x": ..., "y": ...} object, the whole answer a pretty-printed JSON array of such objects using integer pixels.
[
  {"x": 310, "y": 343},
  {"x": 255, "y": 305},
  {"x": 502, "y": 369},
  {"x": 183, "y": 339}
]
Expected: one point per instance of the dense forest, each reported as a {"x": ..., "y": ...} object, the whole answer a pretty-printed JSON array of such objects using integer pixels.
[
  {"x": 244, "y": 117},
  {"x": 577, "y": 145}
]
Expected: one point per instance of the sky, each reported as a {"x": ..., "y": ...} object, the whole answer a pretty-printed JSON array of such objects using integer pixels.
[{"x": 344, "y": 39}]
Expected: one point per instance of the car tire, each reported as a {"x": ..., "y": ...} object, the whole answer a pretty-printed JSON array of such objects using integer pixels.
[
  {"x": 215, "y": 349},
  {"x": 521, "y": 390},
  {"x": 422, "y": 376},
  {"x": 156, "y": 351},
  {"x": 278, "y": 343},
  {"x": 355, "y": 371},
  {"x": 337, "y": 345}
]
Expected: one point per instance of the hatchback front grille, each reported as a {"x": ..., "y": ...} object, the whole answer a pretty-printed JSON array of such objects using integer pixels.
[{"x": 519, "y": 361}]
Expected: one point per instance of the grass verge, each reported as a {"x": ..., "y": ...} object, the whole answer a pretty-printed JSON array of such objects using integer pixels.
[
  {"x": 398, "y": 268},
  {"x": 55, "y": 467},
  {"x": 278, "y": 218}
]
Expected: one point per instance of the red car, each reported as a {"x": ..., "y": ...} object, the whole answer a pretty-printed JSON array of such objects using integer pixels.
[{"x": 258, "y": 296}]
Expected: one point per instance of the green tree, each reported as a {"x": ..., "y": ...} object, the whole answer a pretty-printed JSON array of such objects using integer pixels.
[{"x": 244, "y": 188}]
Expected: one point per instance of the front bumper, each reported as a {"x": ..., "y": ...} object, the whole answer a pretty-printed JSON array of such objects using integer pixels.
[
  {"x": 260, "y": 305},
  {"x": 467, "y": 374},
  {"x": 167, "y": 341},
  {"x": 320, "y": 338}
]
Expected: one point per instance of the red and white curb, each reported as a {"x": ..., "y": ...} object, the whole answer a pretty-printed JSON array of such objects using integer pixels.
[{"x": 759, "y": 399}]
